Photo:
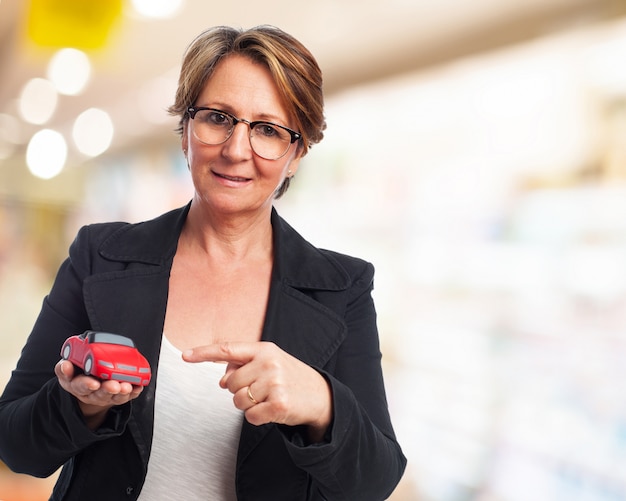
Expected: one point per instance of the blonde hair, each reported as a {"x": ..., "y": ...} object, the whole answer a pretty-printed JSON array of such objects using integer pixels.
[{"x": 294, "y": 69}]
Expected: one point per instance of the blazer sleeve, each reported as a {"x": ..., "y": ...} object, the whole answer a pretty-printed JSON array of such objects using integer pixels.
[
  {"x": 361, "y": 458},
  {"x": 41, "y": 426}
]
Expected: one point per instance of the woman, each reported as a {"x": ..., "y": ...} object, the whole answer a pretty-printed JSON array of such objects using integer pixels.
[{"x": 219, "y": 295}]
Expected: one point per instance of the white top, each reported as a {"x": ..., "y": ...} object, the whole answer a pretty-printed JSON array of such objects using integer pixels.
[{"x": 196, "y": 432}]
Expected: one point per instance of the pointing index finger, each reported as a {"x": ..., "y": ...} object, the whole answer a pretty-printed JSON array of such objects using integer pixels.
[{"x": 230, "y": 352}]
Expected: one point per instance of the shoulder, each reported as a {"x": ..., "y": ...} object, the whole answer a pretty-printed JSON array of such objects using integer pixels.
[
  {"x": 149, "y": 241},
  {"x": 355, "y": 267},
  {"x": 302, "y": 264}
]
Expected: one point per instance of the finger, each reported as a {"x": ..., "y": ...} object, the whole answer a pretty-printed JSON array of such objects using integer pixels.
[
  {"x": 119, "y": 398},
  {"x": 137, "y": 390},
  {"x": 64, "y": 369},
  {"x": 116, "y": 388},
  {"x": 235, "y": 352},
  {"x": 230, "y": 369},
  {"x": 112, "y": 393},
  {"x": 248, "y": 397},
  {"x": 259, "y": 414},
  {"x": 244, "y": 376},
  {"x": 84, "y": 385},
  {"x": 70, "y": 381}
]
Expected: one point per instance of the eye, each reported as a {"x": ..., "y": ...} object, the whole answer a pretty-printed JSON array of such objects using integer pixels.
[
  {"x": 265, "y": 129},
  {"x": 217, "y": 118},
  {"x": 269, "y": 131}
]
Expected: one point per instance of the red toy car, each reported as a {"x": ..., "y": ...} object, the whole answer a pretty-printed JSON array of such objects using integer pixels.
[{"x": 107, "y": 356}]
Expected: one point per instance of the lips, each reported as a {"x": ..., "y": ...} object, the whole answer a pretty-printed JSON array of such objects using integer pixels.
[{"x": 232, "y": 178}]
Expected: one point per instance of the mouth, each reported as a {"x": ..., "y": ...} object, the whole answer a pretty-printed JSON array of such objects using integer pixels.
[{"x": 234, "y": 179}]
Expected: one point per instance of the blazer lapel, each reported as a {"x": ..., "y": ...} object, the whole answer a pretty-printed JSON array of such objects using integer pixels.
[
  {"x": 299, "y": 318},
  {"x": 129, "y": 296},
  {"x": 296, "y": 320},
  {"x": 131, "y": 303}
]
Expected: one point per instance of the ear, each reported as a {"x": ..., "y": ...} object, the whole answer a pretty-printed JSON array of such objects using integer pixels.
[
  {"x": 292, "y": 166},
  {"x": 185, "y": 140}
]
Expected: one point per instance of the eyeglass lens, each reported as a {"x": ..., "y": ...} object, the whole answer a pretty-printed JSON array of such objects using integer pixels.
[{"x": 266, "y": 139}]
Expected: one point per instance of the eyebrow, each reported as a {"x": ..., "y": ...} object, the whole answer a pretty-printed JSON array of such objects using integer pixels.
[{"x": 263, "y": 117}]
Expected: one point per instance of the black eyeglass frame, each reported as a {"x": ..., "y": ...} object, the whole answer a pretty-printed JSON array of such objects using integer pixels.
[{"x": 192, "y": 110}]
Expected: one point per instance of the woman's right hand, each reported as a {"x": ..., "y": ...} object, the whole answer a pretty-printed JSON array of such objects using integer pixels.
[{"x": 94, "y": 397}]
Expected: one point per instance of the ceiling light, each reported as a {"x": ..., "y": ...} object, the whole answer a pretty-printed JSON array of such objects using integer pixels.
[
  {"x": 93, "y": 132},
  {"x": 157, "y": 8},
  {"x": 38, "y": 101},
  {"x": 46, "y": 154},
  {"x": 69, "y": 70}
]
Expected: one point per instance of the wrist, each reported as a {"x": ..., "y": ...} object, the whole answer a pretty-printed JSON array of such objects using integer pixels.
[
  {"x": 93, "y": 415},
  {"x": 318, "y": 428}
]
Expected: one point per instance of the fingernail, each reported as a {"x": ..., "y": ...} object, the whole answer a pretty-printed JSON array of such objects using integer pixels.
[{"x": 187, "y": 353}]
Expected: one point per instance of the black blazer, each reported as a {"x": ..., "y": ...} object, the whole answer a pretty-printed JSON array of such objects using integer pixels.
[{"x": 116, "y": 279}]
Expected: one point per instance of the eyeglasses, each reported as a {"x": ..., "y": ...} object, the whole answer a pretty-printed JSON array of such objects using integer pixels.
[{"x": 268, "y": 140}]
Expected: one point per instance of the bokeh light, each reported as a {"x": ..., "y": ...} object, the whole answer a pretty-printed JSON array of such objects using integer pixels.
[
  {"x": 93, "y": 132},
  {"x": 38, "y": 101},
  {"x": 157, "y": 8},
  {"x": 46, "y": 154},
  {"x": 69, "y": 70}
]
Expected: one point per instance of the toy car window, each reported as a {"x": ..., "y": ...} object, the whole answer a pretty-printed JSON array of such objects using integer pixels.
[{"x": 106, "y": 337}]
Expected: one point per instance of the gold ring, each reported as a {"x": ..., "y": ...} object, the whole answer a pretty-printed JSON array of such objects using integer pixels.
[{"x": 251, "y": 397}]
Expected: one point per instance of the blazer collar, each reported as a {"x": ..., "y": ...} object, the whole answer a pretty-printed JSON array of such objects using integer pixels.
[
  {"x": 297, "y": 263},
  {"x": 151, "y": 242}
]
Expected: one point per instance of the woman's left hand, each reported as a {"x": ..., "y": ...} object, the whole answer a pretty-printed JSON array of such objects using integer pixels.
[{"x": 270, "y": 385}]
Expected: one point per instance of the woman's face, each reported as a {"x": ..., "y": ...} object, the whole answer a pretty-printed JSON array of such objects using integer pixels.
[{"x": 230, "y": 178}]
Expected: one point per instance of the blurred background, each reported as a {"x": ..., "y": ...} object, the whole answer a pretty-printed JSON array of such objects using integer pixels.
[{"x": 475, "y": 153}]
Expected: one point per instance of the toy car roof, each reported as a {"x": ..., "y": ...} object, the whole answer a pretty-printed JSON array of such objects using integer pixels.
[{"x": 108, "y": 338}]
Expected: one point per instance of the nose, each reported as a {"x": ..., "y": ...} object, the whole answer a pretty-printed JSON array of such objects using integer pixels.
[{"x": 237, "y": 147}]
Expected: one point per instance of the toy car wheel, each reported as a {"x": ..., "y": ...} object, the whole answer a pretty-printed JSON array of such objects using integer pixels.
[
  {"x": 88, "y": 365},
  {"x": 66, "y": 352}
]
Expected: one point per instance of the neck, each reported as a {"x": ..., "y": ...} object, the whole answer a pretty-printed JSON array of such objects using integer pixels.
[{"x": 228, "y": 237}]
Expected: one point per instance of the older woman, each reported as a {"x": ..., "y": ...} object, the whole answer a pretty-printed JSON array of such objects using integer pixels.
[{"x": 267, "y": 381}]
